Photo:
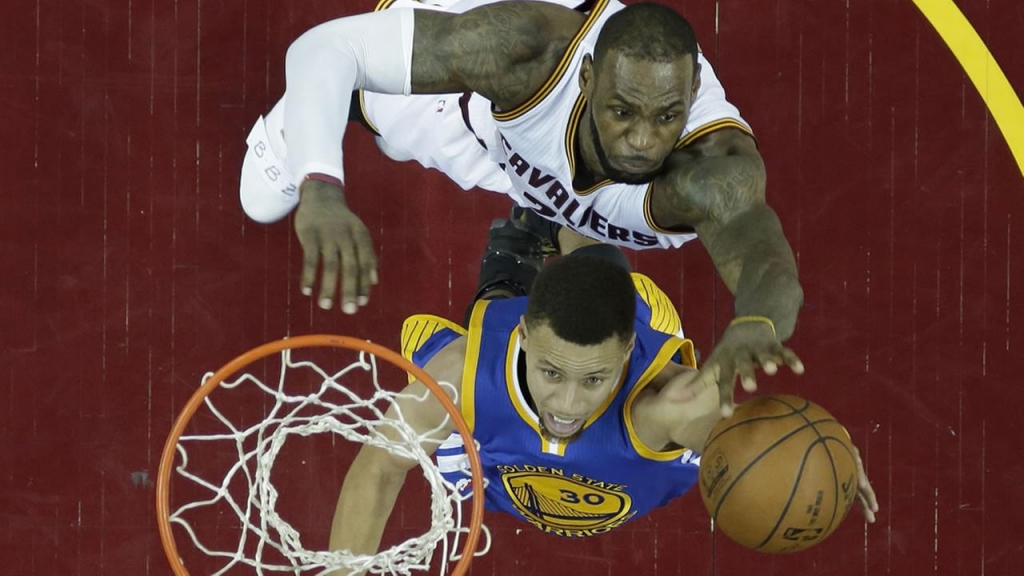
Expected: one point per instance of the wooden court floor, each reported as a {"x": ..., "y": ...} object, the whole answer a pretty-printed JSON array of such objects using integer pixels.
[{"x": 129, "y": 270}]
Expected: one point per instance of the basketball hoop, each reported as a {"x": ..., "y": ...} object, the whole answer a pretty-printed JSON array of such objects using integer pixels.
[{"x": 267, "y": 542}]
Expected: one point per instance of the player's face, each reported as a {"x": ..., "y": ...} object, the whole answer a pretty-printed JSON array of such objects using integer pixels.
[
  {"x": 637, "y": 110},
  {"x": 568, "y": 382}
]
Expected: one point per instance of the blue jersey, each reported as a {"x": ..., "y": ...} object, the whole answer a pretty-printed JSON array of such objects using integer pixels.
[{"x": 588, "y": 486}]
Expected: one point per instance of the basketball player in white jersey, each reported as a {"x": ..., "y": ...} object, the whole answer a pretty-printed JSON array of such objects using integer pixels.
[{"x": 590, "y": 125}]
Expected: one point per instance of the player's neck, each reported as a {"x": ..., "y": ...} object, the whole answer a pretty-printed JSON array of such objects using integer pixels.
[
  {"x": 588, "y": 171},
  {"x": 523, "y": 387}
]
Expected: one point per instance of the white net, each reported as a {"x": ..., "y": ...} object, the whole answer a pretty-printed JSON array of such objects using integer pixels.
[{"x": 266, "y": 542}]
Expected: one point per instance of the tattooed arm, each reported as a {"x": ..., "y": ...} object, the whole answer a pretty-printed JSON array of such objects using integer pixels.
[
  {"x": 503, "y": 51},
  {"x": 716, "y": 186}
]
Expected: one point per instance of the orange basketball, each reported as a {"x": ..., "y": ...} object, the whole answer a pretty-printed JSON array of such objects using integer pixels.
[{"x": 779, "y": 475}]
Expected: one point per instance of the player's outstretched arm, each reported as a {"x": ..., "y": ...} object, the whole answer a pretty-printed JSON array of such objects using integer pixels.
[
  {"x": 716, "y": 185},
  {"x": 376, "y": 476},
  {"x": 503, "y": 51}
]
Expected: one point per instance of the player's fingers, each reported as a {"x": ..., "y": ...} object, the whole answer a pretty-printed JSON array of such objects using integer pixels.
[
  {"x": 309, "y": 263},
  {"x": 745, "y": 369},
  {"x": 367, "y": 264},
  {"x": 870, "y": 498},
  {"x": 310, "y": 259},
  {"x": 769, "y": 362},
  {"x": 867, "y": 508},
  {"x": 725, "y": 378},
  {"x": 862, "y": 477},
  {"x": 329, "y": 275},
  {"x": 864, "y": 488},
  {"x": 349, "y": 277},
  {"x": 790, "y": 358},
  {"x": 728, "y": 407}
]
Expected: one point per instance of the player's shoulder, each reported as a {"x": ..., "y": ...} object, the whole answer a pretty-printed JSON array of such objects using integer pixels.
[
  {"x": 683, "y": 198},
  {"x": 456, "y": 349},
  {"x": 542, "y": 22},
  {"x": 553, "y": 14},
  {"x": 504, "y": 51},
  {"x": 448, "y": 363},
  {"x": 654, "y": 308},
  {"x": 560, "y": 18}
]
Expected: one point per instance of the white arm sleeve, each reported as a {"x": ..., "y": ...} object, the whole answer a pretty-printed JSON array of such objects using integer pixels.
[{"x": 323, "y": 66}]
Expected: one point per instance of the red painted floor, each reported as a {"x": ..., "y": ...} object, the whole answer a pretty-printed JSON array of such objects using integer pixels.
[{"x": 129, "y": 271}]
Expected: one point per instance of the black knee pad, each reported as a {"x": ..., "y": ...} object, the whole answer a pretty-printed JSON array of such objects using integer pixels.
[
  {"x": 607, "y": 252},
  {"x": 511, "y": 261},
  {"x": 505, "y": 271},
  {"x": 546, "y": 230}
]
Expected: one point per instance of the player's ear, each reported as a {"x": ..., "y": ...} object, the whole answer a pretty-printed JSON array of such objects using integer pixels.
[
  {"x": 696, "y": 77},
  {"x": 586, "y": 78},
  {"x": 522, "y": 331},
  {"x": 629, "y": 346}
]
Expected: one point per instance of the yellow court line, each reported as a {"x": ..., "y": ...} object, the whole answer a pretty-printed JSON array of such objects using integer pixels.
[{"x": 983, "y": 70}]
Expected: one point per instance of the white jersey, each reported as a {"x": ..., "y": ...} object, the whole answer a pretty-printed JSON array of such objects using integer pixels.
[
  {"x": 537, "y": 143},
  {"x": 525, "y": 153},
  {"x": 534, "y": 143}
]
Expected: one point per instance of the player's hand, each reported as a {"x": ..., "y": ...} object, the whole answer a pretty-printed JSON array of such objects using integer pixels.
[
  {"x": 742, "y": 349},
  {"x": 332, "y": 235},
  {"x": 865, "y": 493}
]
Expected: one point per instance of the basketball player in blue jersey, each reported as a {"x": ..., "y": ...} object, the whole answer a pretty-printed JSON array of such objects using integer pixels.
[
  {"x": 608, "y": 122},
  {"x": 570, "y": 393}
]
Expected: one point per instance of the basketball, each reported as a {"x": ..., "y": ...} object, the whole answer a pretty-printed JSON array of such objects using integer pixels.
[{"x": 779, "y": 475}]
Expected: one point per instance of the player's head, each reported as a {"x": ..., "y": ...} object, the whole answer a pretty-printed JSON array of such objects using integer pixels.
[
  {"x": 577, "y": 334},
  {"x": 639, "y": 86}
]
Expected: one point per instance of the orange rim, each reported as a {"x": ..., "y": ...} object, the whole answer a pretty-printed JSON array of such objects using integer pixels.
[{"x": 311, "y": 341}]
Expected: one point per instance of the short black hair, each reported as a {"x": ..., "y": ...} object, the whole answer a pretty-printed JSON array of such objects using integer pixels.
[
  {"x": 647, "y": 31},
  {"x": 583, "y": 300}
]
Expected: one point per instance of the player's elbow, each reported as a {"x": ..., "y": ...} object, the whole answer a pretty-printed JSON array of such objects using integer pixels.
[
  {"x": 315, "y": 49},
  {"x": 262, "y": 215},
  {"x": 260, "y": 201}
]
